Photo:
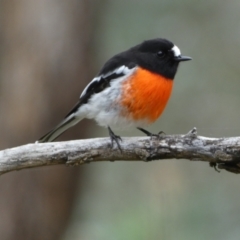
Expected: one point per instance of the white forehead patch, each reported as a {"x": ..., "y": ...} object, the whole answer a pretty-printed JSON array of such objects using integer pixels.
[{"x": 176, "y": 51}]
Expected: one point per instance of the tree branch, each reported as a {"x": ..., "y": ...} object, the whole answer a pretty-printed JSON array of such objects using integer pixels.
[{"x": 221, "y": 153}]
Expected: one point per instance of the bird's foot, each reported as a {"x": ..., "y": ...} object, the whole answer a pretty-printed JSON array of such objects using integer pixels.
[
  {"x": 152, "y": 135},
  {"x": 115, "y": 138},
  {"x": 153, "y": 148}
]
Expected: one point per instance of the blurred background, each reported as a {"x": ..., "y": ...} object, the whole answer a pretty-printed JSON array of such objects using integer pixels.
[{"x": 49, "y": 50}]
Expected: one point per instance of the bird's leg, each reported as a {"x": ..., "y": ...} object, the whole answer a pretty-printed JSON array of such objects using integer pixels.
[
  {"x": 158, "y": 135},
  {"x": 114, "y": 138},
  {"x": 152, "y": 148}
]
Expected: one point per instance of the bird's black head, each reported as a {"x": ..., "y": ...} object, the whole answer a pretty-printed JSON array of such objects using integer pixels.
[{"x": 158, "y": 55}]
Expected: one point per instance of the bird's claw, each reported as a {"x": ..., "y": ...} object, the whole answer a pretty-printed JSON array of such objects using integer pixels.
[
  {"x": 152, "y": 135},
  {"x": 115, "y": 138}
]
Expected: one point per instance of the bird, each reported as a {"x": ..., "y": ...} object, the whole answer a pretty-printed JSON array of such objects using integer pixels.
[{"x": 131, "y": 90}]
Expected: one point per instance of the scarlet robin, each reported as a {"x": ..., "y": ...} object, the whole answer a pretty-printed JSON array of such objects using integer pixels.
[{"x": 131, "y": 90}]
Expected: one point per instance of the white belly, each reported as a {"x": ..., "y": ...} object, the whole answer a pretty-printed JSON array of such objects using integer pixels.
[{"x": 105, "y": 109}]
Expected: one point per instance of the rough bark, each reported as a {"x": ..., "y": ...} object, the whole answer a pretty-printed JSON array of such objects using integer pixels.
[{"x": 223, "y": 153}]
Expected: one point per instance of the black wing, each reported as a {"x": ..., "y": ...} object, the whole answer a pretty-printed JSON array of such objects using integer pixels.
[{"x": 116, "y": 67}]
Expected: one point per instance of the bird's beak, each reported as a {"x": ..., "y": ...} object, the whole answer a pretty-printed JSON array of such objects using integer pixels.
[{"x": 182, "y": 58}]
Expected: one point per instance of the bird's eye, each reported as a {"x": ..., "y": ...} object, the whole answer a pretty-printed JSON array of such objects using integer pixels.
[{"x": 161, "y": 54}]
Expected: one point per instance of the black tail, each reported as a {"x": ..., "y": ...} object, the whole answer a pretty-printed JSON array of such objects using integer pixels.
[{"x": 68, "y": 122}]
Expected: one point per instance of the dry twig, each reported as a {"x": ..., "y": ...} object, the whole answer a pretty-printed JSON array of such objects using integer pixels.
[{"x": 221, "y": 153}]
